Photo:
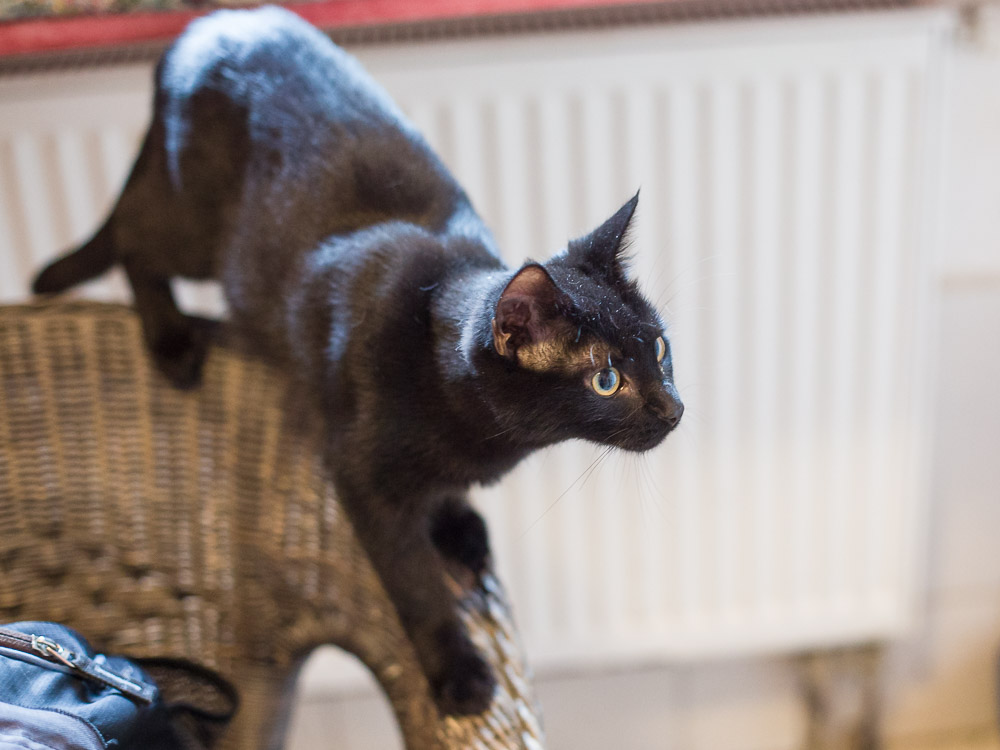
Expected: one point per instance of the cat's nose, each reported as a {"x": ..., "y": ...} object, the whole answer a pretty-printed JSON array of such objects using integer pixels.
[{"x": 668, "y": 408}]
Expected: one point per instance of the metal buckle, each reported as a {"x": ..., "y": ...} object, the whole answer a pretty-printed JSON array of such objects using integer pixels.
[{"x": 52, "y": 650}]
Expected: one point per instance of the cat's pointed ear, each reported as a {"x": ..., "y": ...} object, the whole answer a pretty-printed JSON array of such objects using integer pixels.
[
  {"x": 528, "y": 311},
  {"x": 604, "y": 249}
]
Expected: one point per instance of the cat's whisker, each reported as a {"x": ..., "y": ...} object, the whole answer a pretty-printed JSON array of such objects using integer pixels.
[
  {"x": 647, "y": 474},
  {"x": 676, "y": 316},
  {"x": 689, "y": 435},
  {"x": 652, "y": 490},
  {"x": 693, "y": 266},
  {"x": 695, "y": 415},
  {"x": 502, "y": 432},
  {"x": 629, "y": 468},
  {"x": 592, "y": 469},
  {"x": 670, "y": 293},
  {"x": 670, "y": 287},
  {"x": 588, "y": 471},
  {"x": 621, "y": 469},
  {"x": 650, "y": 497}
]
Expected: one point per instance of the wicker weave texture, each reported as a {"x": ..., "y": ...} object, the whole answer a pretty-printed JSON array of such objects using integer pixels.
[{"x": 202, "y": 524}]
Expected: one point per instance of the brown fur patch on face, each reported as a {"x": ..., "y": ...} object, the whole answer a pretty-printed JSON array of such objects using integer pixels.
[
  {"x": 563, "y": 356},
  {"x": 543, "y": 356}
]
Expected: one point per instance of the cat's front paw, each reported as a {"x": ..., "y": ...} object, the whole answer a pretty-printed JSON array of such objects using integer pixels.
[{"x": 466, "y": 687}]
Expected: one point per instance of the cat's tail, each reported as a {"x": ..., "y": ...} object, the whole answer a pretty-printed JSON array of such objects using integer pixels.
[{"x": 92, "y": 259}]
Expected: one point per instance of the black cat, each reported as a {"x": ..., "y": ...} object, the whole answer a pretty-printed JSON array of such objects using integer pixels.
[{"x": 347, "y": 251}]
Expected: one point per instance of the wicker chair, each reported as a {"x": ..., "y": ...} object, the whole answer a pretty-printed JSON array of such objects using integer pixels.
[{"x": 201, "y": 525}]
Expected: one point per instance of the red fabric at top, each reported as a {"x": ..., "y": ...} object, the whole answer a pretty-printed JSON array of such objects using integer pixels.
[{"x": 63, "y": 33}]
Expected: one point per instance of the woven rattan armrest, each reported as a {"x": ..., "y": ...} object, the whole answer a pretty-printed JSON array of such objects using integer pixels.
[{"x": 202, "y": 525}]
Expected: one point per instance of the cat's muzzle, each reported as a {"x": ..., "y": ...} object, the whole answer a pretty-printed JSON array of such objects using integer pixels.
[{"x": 659, "y": 418}]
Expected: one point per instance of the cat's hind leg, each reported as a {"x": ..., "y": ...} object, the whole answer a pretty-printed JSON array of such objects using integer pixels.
[
  {"x": 162, "y": 231},
  {"x": 177, "y": 342}
]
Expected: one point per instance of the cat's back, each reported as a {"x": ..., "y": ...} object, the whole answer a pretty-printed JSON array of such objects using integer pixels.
[
  {"x": 255, "y": 54},
  {"x": 318, "y": 145}
]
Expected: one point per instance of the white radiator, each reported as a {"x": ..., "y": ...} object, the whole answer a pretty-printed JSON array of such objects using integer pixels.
[{"x": 785, "y": 224}]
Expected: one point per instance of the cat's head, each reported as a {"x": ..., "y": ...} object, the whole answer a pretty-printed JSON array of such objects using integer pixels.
[{"x": 596, "y": 347}]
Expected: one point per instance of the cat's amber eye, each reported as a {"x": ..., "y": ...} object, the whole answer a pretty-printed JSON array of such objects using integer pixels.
[
  {"x": 606, "y": 382},
  {"x": 661, "y": 348}
]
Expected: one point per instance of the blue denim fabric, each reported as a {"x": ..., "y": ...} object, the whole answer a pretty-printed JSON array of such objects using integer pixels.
[
  {"x": 53, "y": 701},
  {"x": 43, "y": 729}
]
